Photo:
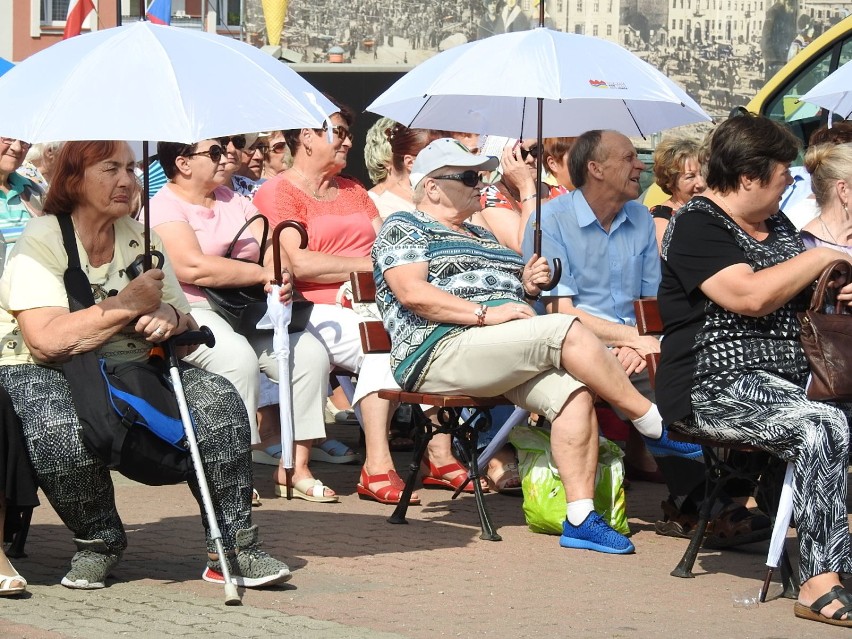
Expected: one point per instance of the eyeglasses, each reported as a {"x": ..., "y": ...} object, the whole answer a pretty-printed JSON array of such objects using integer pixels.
[
  {"x": 340, "y": 131},
  {"x": 215, "y": 153},
  {"x": 239, "y": 141},
  {"x": 532, "y": 151},
  {"x": 10, "y": 141},
  {"x": 468, "y": 178},
  {"x": 278, "y": 147},
  {"x": 263, "y": 148}
]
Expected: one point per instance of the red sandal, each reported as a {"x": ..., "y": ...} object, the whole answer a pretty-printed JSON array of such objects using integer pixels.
[
  {"x": 390, "y": 494},
  {"x": 437, "y": 476}
]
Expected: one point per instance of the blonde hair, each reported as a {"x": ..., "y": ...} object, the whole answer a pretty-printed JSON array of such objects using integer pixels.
[
  {"x": 377, "y": 150},
  {"x": 669, "y": 158},
  {"x": 828, "y": 163}
]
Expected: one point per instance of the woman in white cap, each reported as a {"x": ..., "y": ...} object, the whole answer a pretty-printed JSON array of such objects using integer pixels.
[{"x": 463, "y": 324}]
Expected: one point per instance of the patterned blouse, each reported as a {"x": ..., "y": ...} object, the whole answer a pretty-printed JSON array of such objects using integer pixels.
[
  {"x": 475, "y": 267},
  {"x": 706, "y": 345}
]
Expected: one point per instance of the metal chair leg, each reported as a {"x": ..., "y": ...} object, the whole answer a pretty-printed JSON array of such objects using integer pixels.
[
  {"x": 423, "y": 438},
  {"x": 16, "y": 549},
  {"x": 468, "y": 438}
]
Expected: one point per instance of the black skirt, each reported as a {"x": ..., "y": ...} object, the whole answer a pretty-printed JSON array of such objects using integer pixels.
[{"x": 17, "y": 478}]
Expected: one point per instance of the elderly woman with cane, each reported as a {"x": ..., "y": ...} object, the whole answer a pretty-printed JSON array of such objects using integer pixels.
[
  {"x": 94, "y": 186},
  {"x": 735, "y": 275},
  {"x": 455, "y": 304}
]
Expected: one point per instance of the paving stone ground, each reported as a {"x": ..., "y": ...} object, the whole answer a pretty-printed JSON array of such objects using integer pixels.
[{"x": 356, "y": 576}]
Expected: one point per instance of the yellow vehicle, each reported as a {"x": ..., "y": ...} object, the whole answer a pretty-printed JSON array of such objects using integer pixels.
[{"x": 779, "y": 97}]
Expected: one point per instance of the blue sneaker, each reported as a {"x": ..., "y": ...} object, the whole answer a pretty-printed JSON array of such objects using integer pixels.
[
  {"x": 665, "y": 447},
  {"x": 595, "y": 534}
]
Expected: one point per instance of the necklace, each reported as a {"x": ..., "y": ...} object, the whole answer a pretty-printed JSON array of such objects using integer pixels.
[
  {"x": 315, "y": 192},
  {"x": 826, "y": 229}
]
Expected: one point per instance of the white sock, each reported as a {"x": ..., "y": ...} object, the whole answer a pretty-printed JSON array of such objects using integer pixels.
[
  {"x": 579, "y": 510},
  {"x": 650, "y": 424}
]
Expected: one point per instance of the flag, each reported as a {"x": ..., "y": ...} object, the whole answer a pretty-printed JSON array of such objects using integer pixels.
[
  {"x": 78, "y": 10},
  {"x": 160, "y": 12}
]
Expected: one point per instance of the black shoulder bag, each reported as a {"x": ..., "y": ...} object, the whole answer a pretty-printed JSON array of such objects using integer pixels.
[
  {"x": 244, "y": 306},
  {"x": 127, "y": 410}
]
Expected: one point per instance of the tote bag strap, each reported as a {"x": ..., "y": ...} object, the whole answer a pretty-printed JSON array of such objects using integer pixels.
[
  {"x": 243, "y": 228},
  {"x": 76, "y": 283}
]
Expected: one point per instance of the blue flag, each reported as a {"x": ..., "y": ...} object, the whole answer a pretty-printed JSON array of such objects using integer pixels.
[{"x": 160, "y": 12}]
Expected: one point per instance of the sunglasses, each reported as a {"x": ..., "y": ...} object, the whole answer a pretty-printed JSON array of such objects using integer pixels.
[
  {"x": 11, "y": 141},
  {"x": 532, "y": 151},
  {"x": 239, "y": 141},
  {"x": 340, "y": 131},
  {"x": 468, "y": 178},
  {"x": 215, "y": 153},
  {"x": 263, "y": 148},
  {"x": 278, "y": 147}
]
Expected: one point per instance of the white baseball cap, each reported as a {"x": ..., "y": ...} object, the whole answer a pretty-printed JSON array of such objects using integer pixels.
[{"x": 448, "y": 152}]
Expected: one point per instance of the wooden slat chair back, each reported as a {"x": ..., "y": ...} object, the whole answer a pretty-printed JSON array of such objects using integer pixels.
[
  {"x": 375, "y": 339},
  {"x": 721, "y": 464}
]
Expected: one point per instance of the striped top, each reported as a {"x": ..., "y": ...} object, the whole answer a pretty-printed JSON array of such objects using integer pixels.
[{"x": 474, "y": 267}]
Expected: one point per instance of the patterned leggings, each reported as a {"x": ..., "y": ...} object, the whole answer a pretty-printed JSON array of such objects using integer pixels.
[
  {"x": 774, "y": 414},
  {"x": 78, "y": 484}
]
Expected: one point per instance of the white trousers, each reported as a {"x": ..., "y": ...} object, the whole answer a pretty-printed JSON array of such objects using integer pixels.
[
  {"x": 239, "y": 360},
  {"x": 336, "y": 328}
]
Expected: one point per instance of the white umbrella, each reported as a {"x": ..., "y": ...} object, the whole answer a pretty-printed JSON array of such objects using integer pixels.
[
  {"x": 278, "y": 318},
  {"x": 151, "y": 82},
  {"x": 779, "y": 530},
  {"x": 834, "y": 93},
  {"x": 491, "y": 86}
]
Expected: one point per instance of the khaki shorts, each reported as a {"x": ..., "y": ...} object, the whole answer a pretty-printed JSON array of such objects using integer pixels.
[{"x": 519, "y": 359}]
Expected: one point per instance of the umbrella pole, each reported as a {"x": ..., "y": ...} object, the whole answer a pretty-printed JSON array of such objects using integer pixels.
[
  {"x": 146, "y": 204},
  {"x": 557, "y": 263}
]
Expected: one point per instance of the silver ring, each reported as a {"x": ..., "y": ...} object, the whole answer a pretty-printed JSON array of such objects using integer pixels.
[{"x": 159, "y": 331}]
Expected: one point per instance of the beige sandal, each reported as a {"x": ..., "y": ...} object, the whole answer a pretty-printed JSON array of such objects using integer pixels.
[
  {"x": 6, "y": 587},
  {"x": 307, "y": 489}
]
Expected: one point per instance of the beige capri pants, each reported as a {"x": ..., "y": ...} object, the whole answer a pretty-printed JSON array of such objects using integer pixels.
[{"x": 521, "y": 360}]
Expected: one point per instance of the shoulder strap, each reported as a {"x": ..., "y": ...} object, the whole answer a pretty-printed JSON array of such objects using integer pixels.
[
  {"x": 76, "y": 283},
  {"x": 243, "y": 228}
]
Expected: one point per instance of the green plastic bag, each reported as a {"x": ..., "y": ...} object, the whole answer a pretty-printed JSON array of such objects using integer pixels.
[{"x": 544, "y": 495}]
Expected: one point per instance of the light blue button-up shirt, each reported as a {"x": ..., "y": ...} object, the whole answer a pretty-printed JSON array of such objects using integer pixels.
[{"x": 602, "y": 272}]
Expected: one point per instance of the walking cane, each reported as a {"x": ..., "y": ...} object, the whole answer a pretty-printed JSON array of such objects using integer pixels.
[{"x": 201, "y": 336}]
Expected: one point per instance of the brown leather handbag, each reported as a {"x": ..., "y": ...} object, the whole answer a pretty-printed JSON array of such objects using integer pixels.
[{"x": 827, "y": 337}]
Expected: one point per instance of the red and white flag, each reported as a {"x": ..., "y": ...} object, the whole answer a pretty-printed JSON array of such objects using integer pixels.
[{"x": 77, "y": 12}]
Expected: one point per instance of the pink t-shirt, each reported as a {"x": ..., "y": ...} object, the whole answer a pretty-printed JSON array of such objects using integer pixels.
[
  {"x": 342, "y": 226},
  {"x": 215, "y": 228}
]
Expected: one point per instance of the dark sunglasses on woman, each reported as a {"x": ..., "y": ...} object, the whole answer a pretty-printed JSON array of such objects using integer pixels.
[
  {"x": 340, "y": 131},
  {"x": 468, "y": 178},
  {"x": 532, "y": 151},
  {"x": 239, "y": 141},
  {"x": 215, "y": 153},
  {"x": 278, "y": 147}
]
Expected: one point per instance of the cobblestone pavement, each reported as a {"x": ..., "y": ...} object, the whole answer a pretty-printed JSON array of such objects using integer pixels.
[{"x": 356, "y": 576}]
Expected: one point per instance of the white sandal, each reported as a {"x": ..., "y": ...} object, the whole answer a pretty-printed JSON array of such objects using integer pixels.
[{"x": 6, "y": 581}]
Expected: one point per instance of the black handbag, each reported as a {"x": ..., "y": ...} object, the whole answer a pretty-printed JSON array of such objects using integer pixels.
[
  {"x": 244, "y": 306},
  {"x": 127, "y": 410}
]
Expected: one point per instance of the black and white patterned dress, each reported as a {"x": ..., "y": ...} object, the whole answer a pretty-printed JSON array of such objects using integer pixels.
[{"x": 742, "y": 379}]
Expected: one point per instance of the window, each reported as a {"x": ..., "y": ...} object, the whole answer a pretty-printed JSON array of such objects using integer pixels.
[
  {"x": 609, "y": 29},
  {"x": 559, "y": 6},
  {"x": 579, "y": 28},
  {"x": 595, "y": 30},
  {"x": 54, "y": 10},
  {"x": 579, "y": 5},
  {"x": 674, "y": 24},
  {"x": 597, "y": 7}
]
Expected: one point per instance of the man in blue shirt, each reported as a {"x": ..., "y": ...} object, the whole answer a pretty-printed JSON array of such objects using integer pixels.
[{"x": 607, "y": 244}]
